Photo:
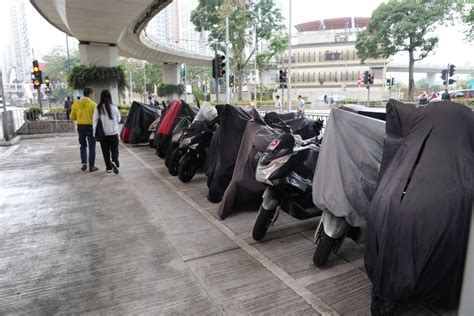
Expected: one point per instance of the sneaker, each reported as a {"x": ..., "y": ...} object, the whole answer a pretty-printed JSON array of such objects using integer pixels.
[
  {"x": 92, "y": 169},
  {"x": 115, "y": 168},
  {"x": 108, "y": 170},
  {"x": 84, "y": 167}
]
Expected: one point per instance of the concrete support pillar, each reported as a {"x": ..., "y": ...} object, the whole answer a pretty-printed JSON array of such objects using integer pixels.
[
  {"x": 105, "y": 56},
  {"x": 171, "y": 73},
  {"x": 431, "y": 77}
]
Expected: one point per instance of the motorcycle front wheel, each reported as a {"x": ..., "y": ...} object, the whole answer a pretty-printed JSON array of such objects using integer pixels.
[
  {"x": 324, "y": 247},
  {"x": 173, "y": 163},
  {"x": 262, "y": 223},
  {"x": 187, "y": 168}
]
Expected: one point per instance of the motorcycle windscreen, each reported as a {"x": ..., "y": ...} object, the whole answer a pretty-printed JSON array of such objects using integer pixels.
[
  {"x": 348, "y": 164},
  {"x": 418, "y": 222}
]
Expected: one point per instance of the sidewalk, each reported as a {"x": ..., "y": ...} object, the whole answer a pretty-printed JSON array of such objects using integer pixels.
[{"x": 144, "y": 243}]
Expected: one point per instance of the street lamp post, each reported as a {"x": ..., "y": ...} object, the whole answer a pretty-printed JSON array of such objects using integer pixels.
[{"x": 289, "y": 61}]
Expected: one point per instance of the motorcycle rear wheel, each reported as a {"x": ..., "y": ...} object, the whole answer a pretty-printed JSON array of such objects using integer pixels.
[
  {"x": 323, "y": 249},
  {"x": 187, "y": 168},
  {"x": 173, "y": 162},
  {"x": 262, "y": 223}
]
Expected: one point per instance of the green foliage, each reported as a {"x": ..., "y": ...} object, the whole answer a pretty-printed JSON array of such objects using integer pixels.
[
  {"x": 57, "y": 65},
  {"x": 260, "y": 20},
  {"x": 33, "y": 113},
  {"x": 57, "y": 111},
  {"x": 170, "y": 89},
  {"x": 198, "y": 94},
  {"x": 403, "y": 25},
  {"x": 278, "y": 45},
  {"x": 139, "y": 70},
  {"x": 466, "y": 10},
  {"x": 81, "y": 76}
]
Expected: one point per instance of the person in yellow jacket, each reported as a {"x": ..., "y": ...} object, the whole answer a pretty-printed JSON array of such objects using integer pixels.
[{"x": 82, "y": 113}]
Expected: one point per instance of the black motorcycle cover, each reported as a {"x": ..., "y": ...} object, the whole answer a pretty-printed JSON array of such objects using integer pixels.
[
  {"x": 346, "y": 175},
  {"x": 221, "y": 162},
  {"x": 418, "y": 222},
  {"x": 139, "y": 118},
  {"x": 376, "y": 113},
  {"x": 305, "y": 127},
  {"x": 243, "y": 188}
]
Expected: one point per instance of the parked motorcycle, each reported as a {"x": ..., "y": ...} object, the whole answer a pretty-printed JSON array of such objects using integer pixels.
[
  {"x": 289, "y": 184},
  {"x": 177, "y": 134},
  {"x": 193, "y": 147}
]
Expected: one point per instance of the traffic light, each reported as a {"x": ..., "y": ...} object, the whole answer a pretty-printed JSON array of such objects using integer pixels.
[
  {"x": 231, "y": 81},
  {"x": 36, "y": 75},
  {"x": 47, "y": 83},
  {"x": 451, "y": 81},
  {"x": 371, "y": 78},
  {"x": 393, "y": 82},
  {"x": 388, "y": 82},
  {"x": 366, "y": 77},
  {"x": 452, "y": 70},
  {"x": 444, "y": 74},
  {"x": 218, "y": 66},
  {"x": 282, "y": 77}
]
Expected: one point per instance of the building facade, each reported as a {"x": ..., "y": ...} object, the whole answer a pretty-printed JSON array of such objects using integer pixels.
[
  {"x": 324, "y": 62},
  {"x": 16, "y": 48}
]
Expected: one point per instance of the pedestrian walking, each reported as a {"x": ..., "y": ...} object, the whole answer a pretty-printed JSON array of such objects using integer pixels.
[
  {"x": 82, "y": 113},
  {"x": 301, "y": 104},
  {"x": 278, "y": 104},
  {"x": 446, "y": 95},
  {"x": 67, "y": 106},
  {"x": 325, "y": 99},
  {"x": 109, "y": 117}
]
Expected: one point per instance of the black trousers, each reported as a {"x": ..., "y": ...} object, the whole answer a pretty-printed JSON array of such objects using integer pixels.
[{"x": 109, "y": 146}]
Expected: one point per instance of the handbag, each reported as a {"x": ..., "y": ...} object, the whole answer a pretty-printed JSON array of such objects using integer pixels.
[{"x": 99, "y": 131}]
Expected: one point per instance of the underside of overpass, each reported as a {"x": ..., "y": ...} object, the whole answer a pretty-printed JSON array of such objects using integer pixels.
[{"x": 106, "y": 29}]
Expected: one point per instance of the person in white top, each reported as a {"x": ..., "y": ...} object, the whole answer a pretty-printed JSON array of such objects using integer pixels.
[
  {"x": 109, "y": 116},
  {"x": 278, "y": 104},
  {"x": 301, "y": 104}
]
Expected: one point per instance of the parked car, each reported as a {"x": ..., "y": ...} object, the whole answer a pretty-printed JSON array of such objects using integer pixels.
[{"x": 465, "y": 93}]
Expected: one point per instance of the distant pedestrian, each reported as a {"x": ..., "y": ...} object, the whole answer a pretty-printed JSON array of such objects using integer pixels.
[
  {"x": 446, "y": 95},
  {"x": 67, "y": 106},
  {"x": 278, "y": 104},
  {"x": 301, "y": 105},
  {"x": 82, "y": 112},
  {"x": 325, "y": 99},
  {"x": 109, "y": 116}
]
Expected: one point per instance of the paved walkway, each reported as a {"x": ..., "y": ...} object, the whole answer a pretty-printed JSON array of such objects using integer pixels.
[{"x": 144, "y": 243}]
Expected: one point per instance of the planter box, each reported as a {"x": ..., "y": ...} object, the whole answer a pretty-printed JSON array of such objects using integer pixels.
[{"x": 46, "y": 127}]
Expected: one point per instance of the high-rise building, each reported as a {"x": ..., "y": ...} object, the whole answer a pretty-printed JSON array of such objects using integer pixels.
[
  {"x": 173, "y": 27},
  {"x": 16, "y": 46}
]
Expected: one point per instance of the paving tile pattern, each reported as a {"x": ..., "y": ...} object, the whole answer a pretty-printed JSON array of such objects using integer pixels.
[{"x": 74, "y": 242}]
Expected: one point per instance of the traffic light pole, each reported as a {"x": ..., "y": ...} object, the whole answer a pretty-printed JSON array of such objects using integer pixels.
[
  {"x": 227, "y": 64},
  {"x": 217, "y": 77},
  {"x": 446, "y": 78},
  {"x": 368, "y": 95},
  {"x": 39, "y": 98}
]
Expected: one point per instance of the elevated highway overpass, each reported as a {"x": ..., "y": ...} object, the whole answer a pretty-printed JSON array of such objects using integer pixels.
[{"x": 106, "y": 29}]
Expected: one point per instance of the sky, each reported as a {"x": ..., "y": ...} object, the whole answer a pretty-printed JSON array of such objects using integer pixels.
[{"x": 452, "y": 48}]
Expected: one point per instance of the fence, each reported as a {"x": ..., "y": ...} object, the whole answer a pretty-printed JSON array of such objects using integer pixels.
[{"x": 17, "y": 122}]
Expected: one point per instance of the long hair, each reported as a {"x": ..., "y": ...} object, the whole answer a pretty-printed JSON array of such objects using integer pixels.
[{"x": 104, "y": 103}]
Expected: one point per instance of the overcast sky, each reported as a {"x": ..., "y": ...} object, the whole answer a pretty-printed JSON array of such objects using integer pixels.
[{"x": 452, "y": 48}]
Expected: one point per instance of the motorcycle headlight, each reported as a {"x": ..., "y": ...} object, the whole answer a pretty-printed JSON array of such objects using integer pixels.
[
  {"x": 175, "y": 138},
  {"x": 264, "y": 172},
  {"x": 185, "y": 142}
]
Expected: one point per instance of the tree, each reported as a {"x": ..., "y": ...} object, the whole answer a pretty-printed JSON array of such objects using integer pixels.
[
  {"x": 467, "y": 15},
  {"x": 139, "y": 70},
  {"x": 260, "y": 20},
  {"x": 57, "y": 64},
  {"x": 403, "y": 25}
]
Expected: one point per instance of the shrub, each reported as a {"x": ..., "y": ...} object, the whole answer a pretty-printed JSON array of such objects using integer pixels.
[
  {"x": 81, "y": 76},
  {"x": 170, "y": 89},
  {"x": 32, "y": 114}
]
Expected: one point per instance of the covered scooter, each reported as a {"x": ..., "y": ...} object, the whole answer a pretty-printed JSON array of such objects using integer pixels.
[
  {"x": 346, "y": 179},
  {"x": 191, "y": 153},
  {"x": 176, "y": 136},
  {"x": 419, "y": 218}
]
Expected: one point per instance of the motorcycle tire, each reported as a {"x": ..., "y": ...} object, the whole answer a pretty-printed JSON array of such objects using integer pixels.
[
  {"x": 173, "y": 162},
  {"x": 262, "y": 223},
  {"x": 323, "y": 249},
  {"x": 187, "y": 168}
]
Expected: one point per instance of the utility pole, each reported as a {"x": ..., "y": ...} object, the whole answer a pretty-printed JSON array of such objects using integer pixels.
[
  {"x": 227, "y": 65},
  {"x": 67, "y": 50},
  {"x": 217, "y": 77},
  {"x": 289, "y": 61},
  {"x": 131, "y": 86},
  {"x": 144, "y": 82},
  {"x": 4, "y": 102}
]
